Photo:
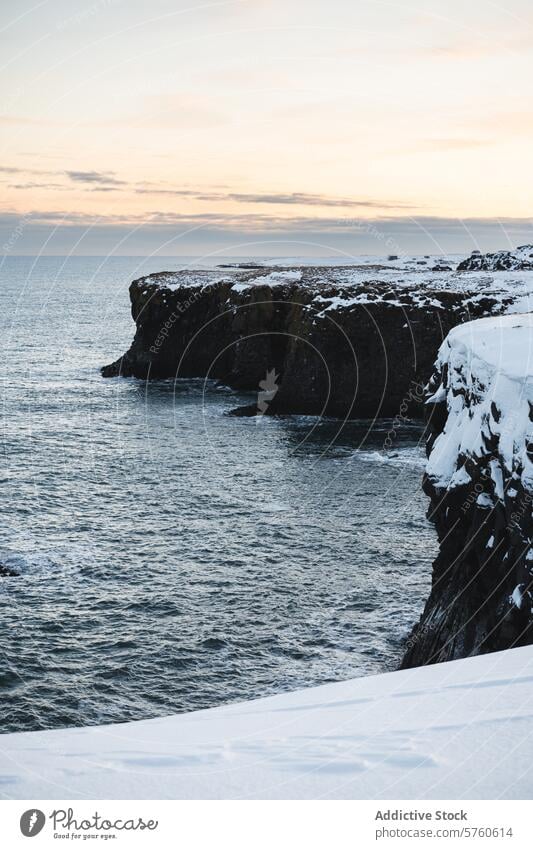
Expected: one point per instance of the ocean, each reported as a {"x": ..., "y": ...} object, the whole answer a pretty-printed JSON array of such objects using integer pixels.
[{"x": 169, "y": 557}]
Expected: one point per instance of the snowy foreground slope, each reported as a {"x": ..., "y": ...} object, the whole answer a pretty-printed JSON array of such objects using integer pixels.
[{"x": 463, "y": 729}]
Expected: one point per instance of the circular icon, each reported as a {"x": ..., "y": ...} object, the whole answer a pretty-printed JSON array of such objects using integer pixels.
[{"x": 32, "y": 822}]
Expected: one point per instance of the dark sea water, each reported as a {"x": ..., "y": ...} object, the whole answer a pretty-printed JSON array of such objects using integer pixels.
[{"x": 170, "y": 557}]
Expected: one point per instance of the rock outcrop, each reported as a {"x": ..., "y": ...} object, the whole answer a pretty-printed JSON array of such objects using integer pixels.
[
  {"x": 479, "y": 479},
  {"x": 520, "y": 259},
  {"x": 343, "y": 341}
]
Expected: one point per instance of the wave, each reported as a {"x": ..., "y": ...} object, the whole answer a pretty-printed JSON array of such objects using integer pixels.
[
  {"x": 36, "y": 563},
  {"x": 413, "y": 458}
]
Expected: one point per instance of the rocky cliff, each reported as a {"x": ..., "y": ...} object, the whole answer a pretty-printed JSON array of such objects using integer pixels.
[
  {"x": 520, "y": 259},
  {"x": 344, "y": 341},
  {"x": 479, "y": 479}
]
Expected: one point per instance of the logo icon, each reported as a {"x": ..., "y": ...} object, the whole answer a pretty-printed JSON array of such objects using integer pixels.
[
  {"x": 268, "y": 387},
  {"x": 32, "y": 822}
]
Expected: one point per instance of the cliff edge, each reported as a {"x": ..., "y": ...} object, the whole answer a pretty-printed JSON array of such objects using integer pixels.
[
  {"x": 479, "y": 478},
  {"x": 354, "y": 341}
]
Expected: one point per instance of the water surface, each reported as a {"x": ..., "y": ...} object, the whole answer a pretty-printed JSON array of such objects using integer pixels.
[{"x": 171, "y": 557}]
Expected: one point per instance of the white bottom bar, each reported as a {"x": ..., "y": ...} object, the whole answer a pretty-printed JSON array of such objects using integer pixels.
[{"x": 264, "y": 825}]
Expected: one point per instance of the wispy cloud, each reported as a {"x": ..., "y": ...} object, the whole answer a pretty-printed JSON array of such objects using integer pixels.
[
  {"x": 108, "y": 181},
  {"x": 93, "y": 180},
  {"x": 26, "y": 172},
  {"x": 304, "y": 199},
  {"x": 35, "y": 185},
  {"x": 276, "y": 198},
  {"x": 57, "y": 232},
  {"x": 248, "y": 222},
  {"x": 105, "y": 178}
]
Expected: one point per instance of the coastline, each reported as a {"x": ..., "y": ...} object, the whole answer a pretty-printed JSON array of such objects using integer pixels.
[{"x": 347, "y": 341}]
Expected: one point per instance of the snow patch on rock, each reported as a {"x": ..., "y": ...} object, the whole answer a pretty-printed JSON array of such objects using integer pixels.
[
  {"x": 422, "y": 282},
  {"x": 486, "y": 369},
  {"x": 520, "y": 259}
]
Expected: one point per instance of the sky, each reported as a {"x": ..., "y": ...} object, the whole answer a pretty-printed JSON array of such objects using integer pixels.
[{"x": 262, "y": 127}]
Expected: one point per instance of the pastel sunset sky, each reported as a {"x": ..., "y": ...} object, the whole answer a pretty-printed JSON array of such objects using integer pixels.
[{"x": 265, "y": 127}]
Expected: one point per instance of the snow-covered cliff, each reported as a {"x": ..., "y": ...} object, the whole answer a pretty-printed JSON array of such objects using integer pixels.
[
  {"x": 520, "y": 259},
  {"x": 345, "y": 340},
  {"x": 479, "y": 477}
]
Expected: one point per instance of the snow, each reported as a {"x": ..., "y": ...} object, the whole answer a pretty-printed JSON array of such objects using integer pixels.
[
  {"x": 363, "y": 280},
  {"x": 185, "y": 278},
  {"x": 461, "y": 477},
  {"x": 487, "y": 368},
  {"x": 520, "y": 258},
  {"x": 510, "y": 292},
  {"x": 505, "y": 343},
  {"x": 462, "y": 729},
  {"x": 275, "y": 278}
]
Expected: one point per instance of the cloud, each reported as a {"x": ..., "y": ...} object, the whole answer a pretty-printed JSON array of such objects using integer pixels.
[
  {"x": 171, "y": 234},
  {"x": 94, "y": 180},
  {"x": 276, "y": 198},
  {"x": 251, "y": 221},
  {"x": 107, "y": 181},
  {"x": 304, "y": 199},
  {"x": 10, "y": 170},
  {"x": 94, "y": 177},
  {"x": 34, "y": 185}
]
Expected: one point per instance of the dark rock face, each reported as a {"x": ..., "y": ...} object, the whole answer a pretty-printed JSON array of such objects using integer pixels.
[
  {"x": 359, "y": 350},
  {"x": 519, "y": 260},
  {"x": 482, "y": 584}
]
